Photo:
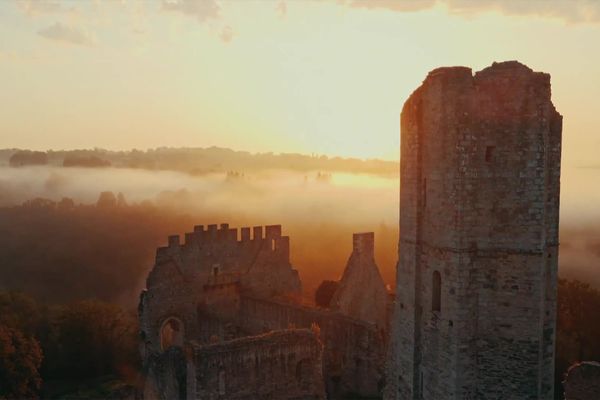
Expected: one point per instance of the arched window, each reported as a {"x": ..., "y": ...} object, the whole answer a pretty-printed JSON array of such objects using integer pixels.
[
  {"x": 171, "y": 333},
  {"x": 436, "y": 292}
]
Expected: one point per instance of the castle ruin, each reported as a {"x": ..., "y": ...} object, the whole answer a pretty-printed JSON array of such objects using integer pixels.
[
  {"x": 221, "y": 318},
  {"x": 475, "y": 309}
]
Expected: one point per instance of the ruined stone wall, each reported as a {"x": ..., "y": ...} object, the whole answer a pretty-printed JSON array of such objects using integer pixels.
[
  {"x": 198, "y": 282},
  {"x": 583, "y": 381},
  {"x": 480, "y": 169},
  {"x": 277, "y": 365},
  {"x": 354, "y": 351},
  {"x": 165, "y": 375}
]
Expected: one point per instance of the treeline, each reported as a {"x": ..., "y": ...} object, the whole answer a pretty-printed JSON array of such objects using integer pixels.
[
  {"x": 196, "y": 160},
  {"x": 49, "y": 351}
]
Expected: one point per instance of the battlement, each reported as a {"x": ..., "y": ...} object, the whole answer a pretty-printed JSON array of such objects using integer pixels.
[
  {"x": 363, "y": 243},
  {"x": 173, "y": 240},
  {"x": 223, "y": 233}
]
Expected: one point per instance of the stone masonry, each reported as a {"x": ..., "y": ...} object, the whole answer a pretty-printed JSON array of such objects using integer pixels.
[
  {"x": 362, "y": 293},
  {"x": 479, "y": 204},
  {"x": 206, "y": 272},
  {"x": 277, "y": 365},
  {"x": 233, "y": 305},
  {"x": 353, "y": 353}
]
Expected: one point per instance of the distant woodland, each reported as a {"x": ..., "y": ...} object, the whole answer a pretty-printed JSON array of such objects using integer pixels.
[{"x": 196, "y": 161}]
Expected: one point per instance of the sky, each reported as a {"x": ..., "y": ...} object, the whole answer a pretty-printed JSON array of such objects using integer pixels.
[{"x": 324, "y": 77}]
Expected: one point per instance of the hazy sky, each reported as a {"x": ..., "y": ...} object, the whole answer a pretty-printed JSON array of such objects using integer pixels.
[{"x": 285, "y": 76}]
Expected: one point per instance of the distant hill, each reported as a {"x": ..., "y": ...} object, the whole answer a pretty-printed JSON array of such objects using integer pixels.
[{"x": 199, "y": 161}]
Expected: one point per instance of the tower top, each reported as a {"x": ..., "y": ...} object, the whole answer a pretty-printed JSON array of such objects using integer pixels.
[{"x": 363, "y": 243}]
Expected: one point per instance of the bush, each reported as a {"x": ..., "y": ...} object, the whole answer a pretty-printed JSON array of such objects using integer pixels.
[{"x": 20, "y": 360}]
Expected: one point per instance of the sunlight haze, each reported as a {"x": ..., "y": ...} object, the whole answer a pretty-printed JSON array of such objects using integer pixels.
[{"x": 324, "y": 77}]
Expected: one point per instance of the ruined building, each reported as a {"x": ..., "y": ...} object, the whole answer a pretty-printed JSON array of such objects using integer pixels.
[
  {"x": 479, "y": 200},
  {"x": 221, "y": 319},
  {"x": 362, "y": 293},
  {"x": 475, "y": 307}
]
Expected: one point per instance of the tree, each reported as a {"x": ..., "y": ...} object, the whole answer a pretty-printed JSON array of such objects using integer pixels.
[
  {"x": 325, "y": 292},
  {"x": 106, "y": 200},
  {"x": 93, "y": 339},
  {"x": 20, "y": 359},
  {"x": 19, "y": 311},
  {"x": 26, "y": 157}
]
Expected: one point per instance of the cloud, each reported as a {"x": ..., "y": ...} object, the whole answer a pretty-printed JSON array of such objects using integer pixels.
[
  {"x": 203, "y": 10},
  {"x": 394, "y": 5},
  {"x": 226, "y": 34},
  {"x": 566, "y": 10},
  {"x": 281, "y": 9},
  {"x": 67, "y": 34},
  {"x": 39, "y": 7}
]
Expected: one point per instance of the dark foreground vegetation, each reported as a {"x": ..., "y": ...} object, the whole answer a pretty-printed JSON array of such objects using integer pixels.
[
  {"x": 53, "y": 351},
  {"x": 76, "y": 350}
]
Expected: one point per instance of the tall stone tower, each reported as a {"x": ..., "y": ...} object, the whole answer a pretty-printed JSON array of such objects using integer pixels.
[{"x": 479, "y": 201}]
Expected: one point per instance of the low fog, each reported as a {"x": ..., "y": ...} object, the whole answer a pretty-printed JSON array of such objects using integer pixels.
[{"x": 318, "y": 210}]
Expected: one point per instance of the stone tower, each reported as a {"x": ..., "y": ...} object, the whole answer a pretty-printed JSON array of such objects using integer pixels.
[{"x": 479, "y": 201}]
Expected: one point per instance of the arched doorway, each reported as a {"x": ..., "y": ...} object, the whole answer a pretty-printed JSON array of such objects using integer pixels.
[{"x": 171, "y": 333}]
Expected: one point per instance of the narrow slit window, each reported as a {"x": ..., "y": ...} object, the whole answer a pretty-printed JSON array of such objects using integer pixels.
[
  {"x": 489, "y": 153},
  {"x": 436, "y": 292},
  {"x": 424, "y": 193}
]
